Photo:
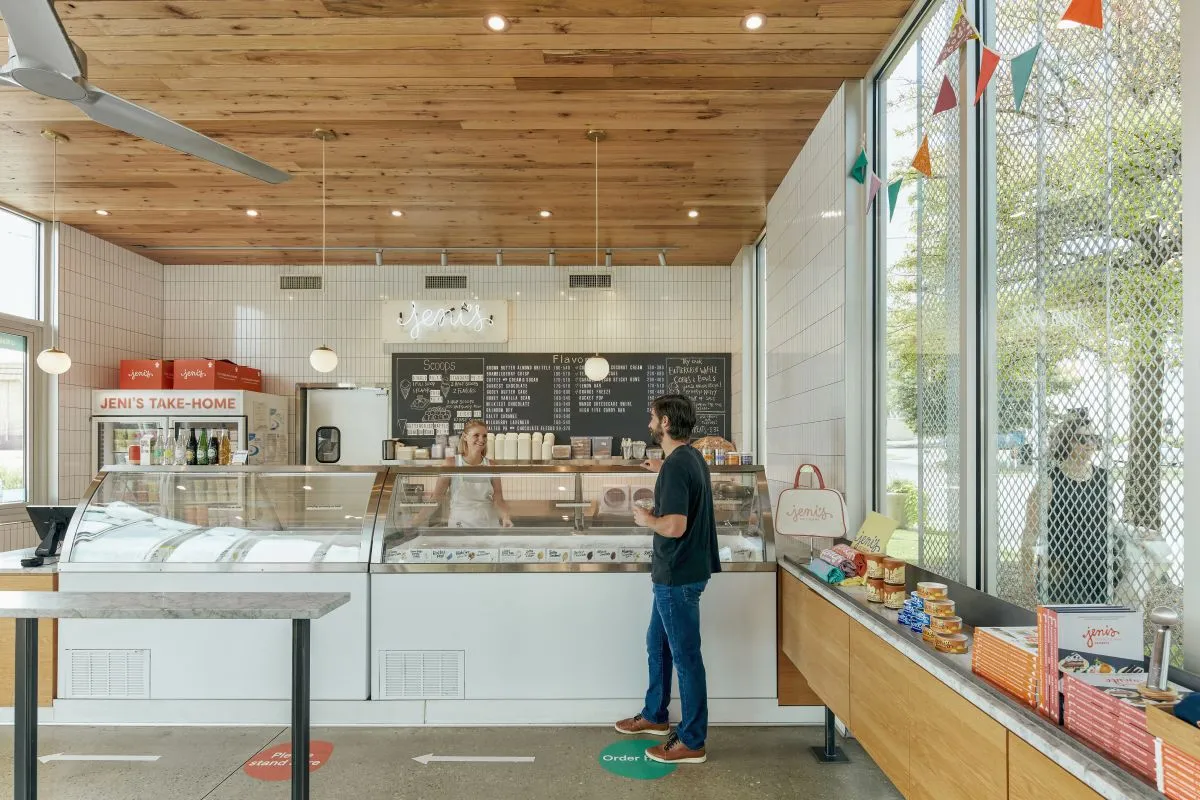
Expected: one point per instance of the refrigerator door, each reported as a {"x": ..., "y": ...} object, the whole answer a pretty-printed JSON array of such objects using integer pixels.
[
  {"x": 111, "y": 437},
  {"x": 233, "y": 427},
  {"x": 345, "y": 426}
]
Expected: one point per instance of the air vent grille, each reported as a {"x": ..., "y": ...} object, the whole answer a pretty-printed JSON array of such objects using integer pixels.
[
  {"x": 591, "y": 281},
  {"x": 445, "y": 281},
  {"x": 109, "y": 673},
  {"x": 292, "y": 282},
  {"x": 422, "y": 674}
]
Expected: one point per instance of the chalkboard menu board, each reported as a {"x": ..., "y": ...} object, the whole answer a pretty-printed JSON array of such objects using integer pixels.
[{"x": 548, "y": 392}]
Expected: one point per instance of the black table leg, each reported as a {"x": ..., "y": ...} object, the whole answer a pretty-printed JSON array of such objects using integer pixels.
[
  {"x": 25, "y": 711},
  {"x": 830, "y": 753},
  {"x": 301, "y": 661}
]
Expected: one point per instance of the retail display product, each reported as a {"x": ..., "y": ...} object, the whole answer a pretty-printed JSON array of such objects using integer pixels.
[
  {"x": 1098, "y": 639},
  {"x": 1007, "y": 657},
  {"x": 893, "y": 571},
  {"x": 928, "y": 590}
]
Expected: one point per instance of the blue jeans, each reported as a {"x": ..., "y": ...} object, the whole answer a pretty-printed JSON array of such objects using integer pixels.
[{"x": 673, "y": 639}]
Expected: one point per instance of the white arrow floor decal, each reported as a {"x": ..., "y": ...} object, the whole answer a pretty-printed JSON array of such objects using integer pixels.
[
  {"x": 430, "y": 758},
  {"x": 65, "y": 757}
]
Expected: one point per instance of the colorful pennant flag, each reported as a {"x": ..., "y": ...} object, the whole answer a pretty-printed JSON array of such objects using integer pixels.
[
  {"x": 1022, "y": 70},
  {"x": 1083, "y": 12},
  {"x": 961, "y": 32},
  {"x": 947, "y": 99},
  {"x": 988, "y": 62},
  {"x": 893, "y": 196},
  {"x": 859, "y": 171},
  {"x": 874, "y": 190},
  {"x": 921, "y": 162}
]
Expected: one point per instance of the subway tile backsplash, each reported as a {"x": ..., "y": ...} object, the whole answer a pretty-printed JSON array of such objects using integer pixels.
[{"x": 805, "y": 315}]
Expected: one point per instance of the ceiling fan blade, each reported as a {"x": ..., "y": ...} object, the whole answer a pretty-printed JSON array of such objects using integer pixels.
[
  {"x": 110, "y": 110},
  {"x": 38, "y": 34}
]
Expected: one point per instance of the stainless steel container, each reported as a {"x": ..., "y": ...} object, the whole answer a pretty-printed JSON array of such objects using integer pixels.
[{"x": 1160, "y": 654}]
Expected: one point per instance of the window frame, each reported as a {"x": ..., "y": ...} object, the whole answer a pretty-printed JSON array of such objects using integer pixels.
[{"x": 40, "y": 394}]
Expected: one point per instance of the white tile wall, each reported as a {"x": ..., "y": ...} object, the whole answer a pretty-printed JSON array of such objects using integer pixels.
[
  {"x": 110, "y": 307},
  {"x": 242, "y": 314},
  {"x": 736, "y": 321},
  {"x": 805, "y": 314},
  {"x": 16, "y": 535}
]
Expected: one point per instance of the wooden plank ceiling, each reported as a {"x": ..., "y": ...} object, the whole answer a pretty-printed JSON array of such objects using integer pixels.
[{"x": 470, "y": 133}]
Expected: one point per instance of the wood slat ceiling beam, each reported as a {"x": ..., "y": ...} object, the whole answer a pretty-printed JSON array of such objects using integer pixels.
[{"x": 469, "y": 132}]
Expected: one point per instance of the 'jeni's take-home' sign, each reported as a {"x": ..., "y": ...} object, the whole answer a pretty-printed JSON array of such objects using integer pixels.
[
  {"x": 526, "y": 392},
  {"x": 428, "y": 322}
]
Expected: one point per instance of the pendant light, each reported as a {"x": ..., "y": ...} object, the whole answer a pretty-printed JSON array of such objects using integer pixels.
[
  {"x": 596, "y": 367},
  {"x": 323, "y": 358},
  {"x": 52, "y": 360}
]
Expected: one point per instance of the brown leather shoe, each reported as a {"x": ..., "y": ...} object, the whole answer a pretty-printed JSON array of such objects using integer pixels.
[
  {"x": 673, "y": 751},
  {"x": 639, "y": 724}
]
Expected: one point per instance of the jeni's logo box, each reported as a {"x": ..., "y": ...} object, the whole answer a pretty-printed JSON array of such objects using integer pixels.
[
  {"x": 205, "y": 373},
  {"x": 142, "y": 373}
]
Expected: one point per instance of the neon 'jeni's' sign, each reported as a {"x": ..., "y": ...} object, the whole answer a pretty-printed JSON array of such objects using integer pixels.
[{"x": 470, "y": 321}]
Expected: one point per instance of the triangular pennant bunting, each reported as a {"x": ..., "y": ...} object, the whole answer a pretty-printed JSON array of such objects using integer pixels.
[
  {"x": 874, "y": 190},
  {"x": 921, "y": 162},
  {"x": 961, "y": 32},
  {"x": 988, "y": 62},
  {"x": 1083, "y": 12},
  {"x": 893, "y": 196},
  {"x": 1022, "y": 70},
  {"x": 859, "y": 171},
  {"x": 946, "y": 99}
]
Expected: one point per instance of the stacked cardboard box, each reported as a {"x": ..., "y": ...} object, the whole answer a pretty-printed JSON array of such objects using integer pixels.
[{"x": 1007, "y": 657}]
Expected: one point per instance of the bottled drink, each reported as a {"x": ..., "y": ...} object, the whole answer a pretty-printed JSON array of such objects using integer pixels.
[
  {"x": 181, "y": 448},
  {"x": 192, "y": 447},
  {"x": 167, "y": 457},
  {"x": 226, "y": 449},
  {"x": 158, "y": 456},
  {"x": 202, "y": 449},
  {"x": 214, "y": 453}
]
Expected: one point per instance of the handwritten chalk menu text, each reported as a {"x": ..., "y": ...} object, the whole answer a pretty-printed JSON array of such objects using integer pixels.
[{"x": 527, "y": 392}]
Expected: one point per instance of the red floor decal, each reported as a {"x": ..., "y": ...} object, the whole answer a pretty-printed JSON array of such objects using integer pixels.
[{"x": 275, "y": 763}]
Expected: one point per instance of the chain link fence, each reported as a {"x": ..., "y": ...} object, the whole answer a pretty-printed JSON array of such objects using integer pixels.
[{"x": 1087, "y": 466}]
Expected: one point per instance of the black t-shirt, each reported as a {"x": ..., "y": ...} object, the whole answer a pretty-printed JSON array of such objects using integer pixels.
[{"x": 684, "y": 487}]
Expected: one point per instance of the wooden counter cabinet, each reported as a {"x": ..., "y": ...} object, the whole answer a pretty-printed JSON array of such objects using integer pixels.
[
  {"x": 880, "y": 682},
  {"x": 47, "y": 641},
  {"x": 1032, "y": 776},
  {"x": 815, "y": 636}
]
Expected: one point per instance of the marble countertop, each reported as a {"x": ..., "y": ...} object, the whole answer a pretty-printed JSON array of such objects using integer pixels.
[
  {"x": 1093, "y": 768},
  {"x": 170, "y": 605},
  {"x": 10, "y": 563}
]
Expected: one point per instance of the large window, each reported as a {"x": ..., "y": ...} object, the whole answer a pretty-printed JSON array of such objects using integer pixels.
[
  {"x": 20, "y": 306},
  {"x": 1079, "y": 427},
  {"x": 922, "y": 342}
]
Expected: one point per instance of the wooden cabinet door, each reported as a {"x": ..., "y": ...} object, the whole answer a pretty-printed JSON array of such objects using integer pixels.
[
  {"x": 47, "y": 642},
  {"x": 957, "y": 751},
  {"x": 1032, "y": 776},
  {"x": 824, "y": 645},
  {"x": 880, "y": 704},
  {"x": 793, "y": 689}
]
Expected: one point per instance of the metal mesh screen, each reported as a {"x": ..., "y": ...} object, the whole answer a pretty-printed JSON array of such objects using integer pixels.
[
  {"x": 1087, "y": 465},
  {"x": 922, "y": 275}
]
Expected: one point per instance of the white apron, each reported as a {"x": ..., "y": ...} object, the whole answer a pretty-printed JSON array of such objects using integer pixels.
[{"x": 471, "y": 500}]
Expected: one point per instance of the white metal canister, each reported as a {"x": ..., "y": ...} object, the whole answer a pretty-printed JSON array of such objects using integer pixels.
[{"x": 524, "y": 447}]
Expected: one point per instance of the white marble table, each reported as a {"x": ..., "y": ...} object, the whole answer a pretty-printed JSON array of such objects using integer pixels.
[{"x": 26, "y": 608}]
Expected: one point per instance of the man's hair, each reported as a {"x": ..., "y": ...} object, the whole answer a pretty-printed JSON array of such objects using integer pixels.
[{"x": 680, "y": 414}]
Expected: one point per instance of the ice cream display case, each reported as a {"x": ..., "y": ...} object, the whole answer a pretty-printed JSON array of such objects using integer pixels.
[
  {"x": 574, "y": 517},
  {"x": 545, "y": 619},
  {"x": 216, "y": 529}
]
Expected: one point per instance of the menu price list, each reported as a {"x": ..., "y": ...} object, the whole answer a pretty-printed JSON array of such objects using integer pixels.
[{"x": 529, "y": 392}]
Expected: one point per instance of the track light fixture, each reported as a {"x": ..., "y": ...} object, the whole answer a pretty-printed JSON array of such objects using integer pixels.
[
  {"x": 662, "y": 258},
  {"x": 553, "y": 259},
  {"x": 445, "y": 258},
  {"x": 379, "y": 258},
  {"x": 499, "y": 258}
]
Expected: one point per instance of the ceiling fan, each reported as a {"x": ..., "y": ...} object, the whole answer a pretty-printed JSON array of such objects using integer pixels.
[{"x": 44, "y": 60}]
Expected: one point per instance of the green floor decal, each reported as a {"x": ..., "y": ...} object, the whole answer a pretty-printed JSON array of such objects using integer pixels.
[{"x": 628, "y": 759}]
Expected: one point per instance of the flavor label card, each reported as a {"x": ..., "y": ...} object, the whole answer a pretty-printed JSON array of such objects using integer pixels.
[
  {"x": 522, "y": 555},
  {"x": 415, "y": 556},
  {"x": 634, "y": 555},
  {"x": 464, "y": 555},
  {"x": 557, "y": 556},
  {"x": 440, "y": 554}
]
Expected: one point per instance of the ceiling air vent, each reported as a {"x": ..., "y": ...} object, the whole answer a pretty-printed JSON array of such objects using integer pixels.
[
  {"x": 591, "y": 281},
  {"x": 299, "y": 282},
  {"x": 445, "y": 281}
]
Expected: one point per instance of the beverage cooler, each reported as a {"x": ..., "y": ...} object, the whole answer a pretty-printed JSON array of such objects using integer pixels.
[{"x": 255, "y": 422}]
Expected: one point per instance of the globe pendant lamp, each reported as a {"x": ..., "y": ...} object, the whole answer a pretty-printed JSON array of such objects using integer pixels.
[
  {"x": 52, "y": 360},
  {"x": 323, "y": 358},
  {"x": 596, "y": 367}
]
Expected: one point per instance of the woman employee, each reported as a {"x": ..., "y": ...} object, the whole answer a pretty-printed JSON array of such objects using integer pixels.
[{"x": 475, "y": 502}]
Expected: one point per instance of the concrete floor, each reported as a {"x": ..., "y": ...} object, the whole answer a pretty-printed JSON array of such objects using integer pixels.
[{"x": 368, "y": 763}]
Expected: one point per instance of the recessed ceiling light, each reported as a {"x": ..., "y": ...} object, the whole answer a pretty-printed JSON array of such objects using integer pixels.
[
  {"x": 250, "y": 212},
  {"x": 693, "y": 213},
  {"x": 545, "y": 212},
  {"x": 496, "y": 22},
  {"x": 102, "y": 212},
  {"x": 397, "y": 212},
  {"x": 754, "y": 22}
]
